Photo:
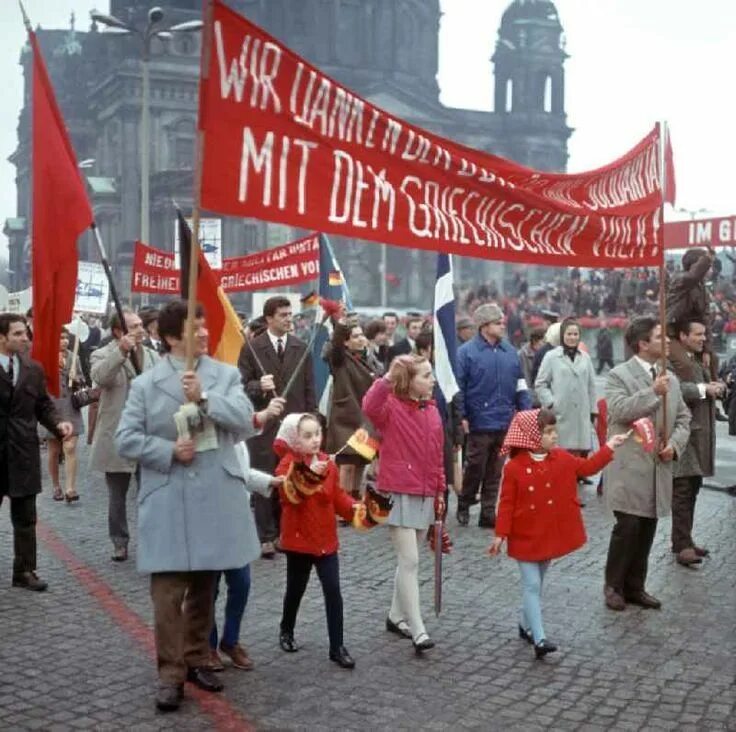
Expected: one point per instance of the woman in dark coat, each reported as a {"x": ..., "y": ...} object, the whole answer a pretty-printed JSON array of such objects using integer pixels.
[{"x": 353, "y": 371}]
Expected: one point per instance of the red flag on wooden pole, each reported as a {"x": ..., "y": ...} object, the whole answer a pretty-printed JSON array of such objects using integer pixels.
[{"x": 61, "y": 212}]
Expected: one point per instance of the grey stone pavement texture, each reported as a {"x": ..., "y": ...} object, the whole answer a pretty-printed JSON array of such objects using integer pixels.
[{"x": 79, "y": 656}]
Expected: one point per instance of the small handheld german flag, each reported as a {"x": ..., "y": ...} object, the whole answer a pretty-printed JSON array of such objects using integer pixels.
[
  {"x": 311, "y": 300},
  {"x": 334, "y": 278},
  {"x": 365, "y": 445}
]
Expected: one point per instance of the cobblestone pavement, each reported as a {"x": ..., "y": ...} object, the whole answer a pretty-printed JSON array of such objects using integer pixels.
[{"x": 80, "y": 655}]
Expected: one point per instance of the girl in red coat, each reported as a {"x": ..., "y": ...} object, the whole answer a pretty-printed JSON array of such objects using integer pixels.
[
  {"x": 538, "y": 509},
  {"x": 310, "y": 498},
  {"x": 410, "y": 468}
]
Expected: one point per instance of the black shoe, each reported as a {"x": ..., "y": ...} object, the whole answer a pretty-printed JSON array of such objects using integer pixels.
[
  {"x": 463, "y": 516},
  {"x": 287, "y": 642},
  {"x": 544, "y": 647},
  {"x": 204, "y": 679},
  {"x": 720, "y": 416},
  {"x": 396, "y": 628},
  {"x": 342, "y": 658},
  {"x": 524, "y": 634},
  {"x": 423, "y": 645},
  {"x": 29, "y": 581},
  {"x": 168, "y": 697},
  {"x": 120, "y": 554},
  {"x": 487, "y": 523}
]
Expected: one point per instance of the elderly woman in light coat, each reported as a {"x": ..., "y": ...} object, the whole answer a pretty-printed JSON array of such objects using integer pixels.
[
  {"x": 566, "y": 384},
  {"x": 194, "y": 517}
]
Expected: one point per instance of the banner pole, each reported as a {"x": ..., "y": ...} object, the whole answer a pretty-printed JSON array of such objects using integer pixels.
[
  {"x": 662, "y": 273},
  {"x": 197, "y": 200},
  {"x": 114, "y": 292}
]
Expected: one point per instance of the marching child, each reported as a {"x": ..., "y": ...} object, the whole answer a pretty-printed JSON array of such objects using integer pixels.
[
  {"x": 310, "y": 497},
  {"x": 538, "y": 509},
  {"x": 411, "y": 469}
]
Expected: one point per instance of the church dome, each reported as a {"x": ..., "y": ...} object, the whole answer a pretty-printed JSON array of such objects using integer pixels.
[{"x": 525, "y": 11}]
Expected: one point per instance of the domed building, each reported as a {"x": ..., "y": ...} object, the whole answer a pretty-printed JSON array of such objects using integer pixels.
[{"x": 386, "y": 50}]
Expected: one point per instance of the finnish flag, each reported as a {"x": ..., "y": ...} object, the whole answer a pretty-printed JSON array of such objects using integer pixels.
[{"x": 445, "y": 346}]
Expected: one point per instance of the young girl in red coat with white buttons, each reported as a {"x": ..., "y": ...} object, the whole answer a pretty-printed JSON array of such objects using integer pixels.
[
  {"x": 310, "y": 498},
  {"x": 411, "y": 469},
  {"x": 538, "y": 509}
]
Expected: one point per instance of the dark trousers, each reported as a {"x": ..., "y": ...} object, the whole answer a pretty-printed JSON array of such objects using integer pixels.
[
  {"x": 267, "y": 512},
  {"x": 684, "y": 494},
  {"x": 23, "y": 519},
  {"x": 182, "y": 615},
  {"x": 117, "y": 511},
  {"x": 628, "y": 552},
  {"x": 483, "y": 468},
  {"x": 238, "y": 589},
  {"x": 602, "y": 362},
  {"x": 298, "y": 568}
]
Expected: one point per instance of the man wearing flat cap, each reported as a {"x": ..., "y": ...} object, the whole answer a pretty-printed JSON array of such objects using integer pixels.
[
  {"x": 492, "y": 390},
  {"x": 465, "y": 330}
]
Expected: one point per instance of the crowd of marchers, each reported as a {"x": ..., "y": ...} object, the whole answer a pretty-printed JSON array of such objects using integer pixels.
[{"x": 233, "y": 464}]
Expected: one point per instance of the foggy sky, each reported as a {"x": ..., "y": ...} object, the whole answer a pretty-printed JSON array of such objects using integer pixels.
[{"x": 632, "y": 63}]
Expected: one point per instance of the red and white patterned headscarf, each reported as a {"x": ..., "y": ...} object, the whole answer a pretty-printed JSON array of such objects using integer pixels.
[{"x": 523, "y": 432}]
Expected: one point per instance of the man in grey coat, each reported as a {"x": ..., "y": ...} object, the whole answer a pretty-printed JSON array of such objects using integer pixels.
[
  {"x": 112, "y": 370},
  {"x": 193, "y": 509},
  {"x": 698, "y": 461},
  {"x": 639, "y": 483}
]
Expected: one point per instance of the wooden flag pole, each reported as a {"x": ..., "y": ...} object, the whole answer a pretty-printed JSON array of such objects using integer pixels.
[
  {"x": 662, "y": 273},
  {"x": 197, "y": 203}
]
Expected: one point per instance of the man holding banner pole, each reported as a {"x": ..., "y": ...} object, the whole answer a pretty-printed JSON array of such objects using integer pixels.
[{"x": 267, "y": 363}]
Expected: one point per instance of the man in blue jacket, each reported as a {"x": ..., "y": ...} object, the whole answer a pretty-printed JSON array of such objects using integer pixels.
[{"x": 492, "y": 390}]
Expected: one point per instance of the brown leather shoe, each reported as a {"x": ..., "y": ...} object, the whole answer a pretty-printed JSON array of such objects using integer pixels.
[
  {"x": 239, "y": 656},
  {"x": 214, "y": 662},
  {"x": 701, "y": 551},
  {"x": 29, "y": 581},
  {"x": 688, "y": 557},
  {"x": 614, "y": 600},
  {"x": 643, "y": 599}
]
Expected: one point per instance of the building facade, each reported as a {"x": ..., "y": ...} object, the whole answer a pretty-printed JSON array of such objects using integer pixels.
[{"x": 386, "y": 50}]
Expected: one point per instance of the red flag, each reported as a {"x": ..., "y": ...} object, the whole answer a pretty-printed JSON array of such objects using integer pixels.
[
  {"x": 61, "y": 212},
  {"x": 669, "y": 169}
]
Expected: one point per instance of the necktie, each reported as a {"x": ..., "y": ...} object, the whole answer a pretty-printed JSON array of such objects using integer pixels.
[
  {"x": 653, "y": 372},
  {"x": 280, "y": 349},
  {"x": 11, "y": 371}
]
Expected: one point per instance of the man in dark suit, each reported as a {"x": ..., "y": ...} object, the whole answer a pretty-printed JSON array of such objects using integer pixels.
[
  {"x": 267, "y": 362},
  {"x": 408, "y": 344},
  {"x": 149, "y": 317},
  {"x": 23, "y": 401}
]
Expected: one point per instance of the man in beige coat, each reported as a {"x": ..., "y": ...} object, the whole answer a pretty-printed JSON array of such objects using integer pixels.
[
  {"x": 639, "y": 484},
  {"x": 112, "y": 370}
]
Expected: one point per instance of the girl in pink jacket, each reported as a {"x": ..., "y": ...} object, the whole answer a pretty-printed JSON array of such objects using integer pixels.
[{"x": 410, "y": 468}]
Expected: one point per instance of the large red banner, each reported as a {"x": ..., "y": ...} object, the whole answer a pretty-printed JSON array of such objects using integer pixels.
[
  {"x": 155, "y": 271},
  {"x": 285, "y": 143},
  {"x": 715, "y": 232}
]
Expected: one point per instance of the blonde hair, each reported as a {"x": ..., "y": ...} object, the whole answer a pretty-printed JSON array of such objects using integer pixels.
[{"x": 401, "y": 372}]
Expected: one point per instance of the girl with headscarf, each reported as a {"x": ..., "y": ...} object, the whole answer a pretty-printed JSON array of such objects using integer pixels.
[
  {"x": 538, "y": 513},
  {"x": 310, "y": 498}
]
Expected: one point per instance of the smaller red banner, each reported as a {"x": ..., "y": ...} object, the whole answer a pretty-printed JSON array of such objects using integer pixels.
[
  {"x": 155, "y": 271},
  {"x": 715, "y": 232}
]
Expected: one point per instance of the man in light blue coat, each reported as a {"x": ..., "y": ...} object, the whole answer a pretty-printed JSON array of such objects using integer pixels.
[{"x": 194, "y": 516}]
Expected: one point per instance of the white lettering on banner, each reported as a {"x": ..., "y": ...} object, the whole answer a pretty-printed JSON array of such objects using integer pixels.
[
  {"x": 724, "y": 231},
  {"x": 261, "y": 277},
  {"x": 262, "y": 68},
  {"x": 157, "y": 282},
  {"x": 261, "y": 161}
]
